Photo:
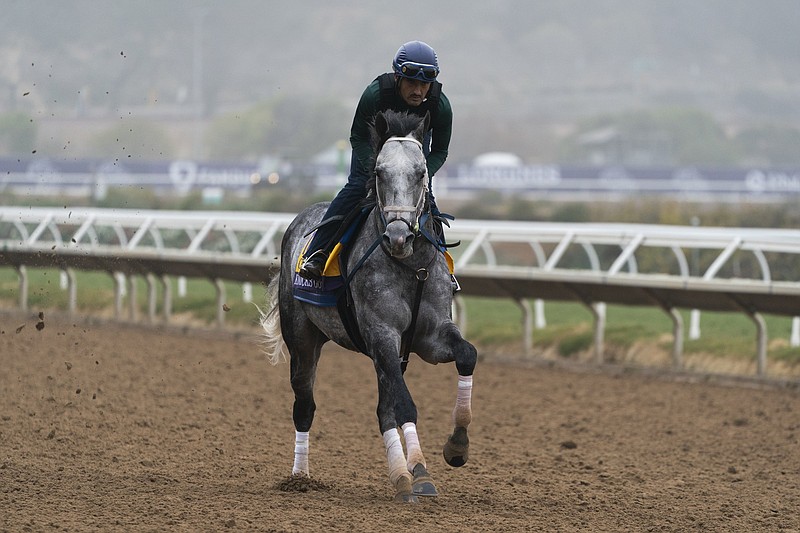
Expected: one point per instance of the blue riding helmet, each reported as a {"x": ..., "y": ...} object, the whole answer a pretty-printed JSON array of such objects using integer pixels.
[{"x": 416, "y": 60}]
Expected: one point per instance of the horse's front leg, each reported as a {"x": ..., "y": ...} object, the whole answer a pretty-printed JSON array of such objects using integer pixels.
[
  {"x": 409, "y": 477},
  {"x": 448, "y": 346},
  {"x": 421, "y": 483},
  {"x": 456, "y": 449},
  {"x": 394, "y": 404},
  {"x": 396, "y": 408},
  {"x": 405, "y": 417}
]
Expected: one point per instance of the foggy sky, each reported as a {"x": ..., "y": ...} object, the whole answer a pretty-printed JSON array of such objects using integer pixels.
[{"x": 544, "y": 62}]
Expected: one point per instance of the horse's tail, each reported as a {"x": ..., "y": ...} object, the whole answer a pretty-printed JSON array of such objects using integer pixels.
[{"x": 273, "y": 344}]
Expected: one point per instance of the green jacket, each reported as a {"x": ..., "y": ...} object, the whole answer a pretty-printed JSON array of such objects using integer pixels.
[{"x": 370, "y": 104}]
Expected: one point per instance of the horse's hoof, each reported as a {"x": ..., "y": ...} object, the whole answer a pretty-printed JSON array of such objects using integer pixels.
[
  {"x": 457, "y": 460},
  {"x": 422, "y": 484},
  {"x": 404, "y": 492},
  {"x": 456, "y": 449},
  {"x": 401, "y": 497}
]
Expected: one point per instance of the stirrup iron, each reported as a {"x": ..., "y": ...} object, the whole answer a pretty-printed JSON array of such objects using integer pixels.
[{"x": 314, "y": 265}]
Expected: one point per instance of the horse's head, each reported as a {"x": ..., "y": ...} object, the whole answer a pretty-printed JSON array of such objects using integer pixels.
[{"x": 401, "y": 178}]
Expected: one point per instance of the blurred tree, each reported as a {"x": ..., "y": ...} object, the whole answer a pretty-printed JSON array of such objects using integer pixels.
[
  {"x": 769, "y": 145},
  {"x": 17, "y": 133},
  {"x": 241, "y": 134},
  {"x": 292, "y": 127},
  {"x": 571, "y": 212},
  {"x": 679, "y": 136},
  {"x": 132, "y": 138},
  {"x": 697, "y": 138},
  {"x": 522, "y": 209},
  {"x": 488, "y": 205}
]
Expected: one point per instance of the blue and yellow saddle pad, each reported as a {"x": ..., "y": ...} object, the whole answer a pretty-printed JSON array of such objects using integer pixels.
[{"x": 323, "y": 292}]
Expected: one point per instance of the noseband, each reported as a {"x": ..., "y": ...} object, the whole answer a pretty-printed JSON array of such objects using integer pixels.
[{"x": 416, "y": 209}]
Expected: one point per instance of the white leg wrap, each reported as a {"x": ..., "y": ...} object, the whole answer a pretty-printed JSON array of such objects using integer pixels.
[
  {"x": 395, "y": 455},
  {"x": 462, "y": 414},
  {"x": 415, "y": 456},
  {"x": 300, "y": 453}
]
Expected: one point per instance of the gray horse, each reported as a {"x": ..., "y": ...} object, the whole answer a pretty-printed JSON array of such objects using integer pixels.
[{"x": 405, "y": 283}]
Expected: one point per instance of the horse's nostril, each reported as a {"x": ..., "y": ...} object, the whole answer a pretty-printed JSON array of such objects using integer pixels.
[{"x": 397, "y": 238}]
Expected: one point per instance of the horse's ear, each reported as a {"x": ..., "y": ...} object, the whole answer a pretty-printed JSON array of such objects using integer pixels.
[
  {"x": 419, "y": 133},
  {"x": 381, "y": 126}
]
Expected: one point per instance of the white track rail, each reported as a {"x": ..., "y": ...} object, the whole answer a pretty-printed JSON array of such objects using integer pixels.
[{"x": 748, "y": 270}]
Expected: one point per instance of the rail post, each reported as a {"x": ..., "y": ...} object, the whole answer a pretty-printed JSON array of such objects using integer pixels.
[
  {"x": 22, "y": 272},
  {"x": 527, "y": 324}
]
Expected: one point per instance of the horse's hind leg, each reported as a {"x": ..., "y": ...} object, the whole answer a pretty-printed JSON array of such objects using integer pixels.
[{"x": 304, "y": 359}]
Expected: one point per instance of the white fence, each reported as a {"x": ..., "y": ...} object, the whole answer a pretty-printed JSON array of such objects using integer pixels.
[{"x": 754, "y": 271}]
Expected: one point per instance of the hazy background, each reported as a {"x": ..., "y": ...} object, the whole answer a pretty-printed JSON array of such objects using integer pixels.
[{"x": 681, "y": 81}]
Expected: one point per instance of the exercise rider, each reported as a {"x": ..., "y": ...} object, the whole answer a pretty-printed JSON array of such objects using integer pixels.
[{"x": 411, "y": 87}]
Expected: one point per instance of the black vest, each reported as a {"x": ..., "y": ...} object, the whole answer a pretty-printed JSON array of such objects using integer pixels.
[{"x": 388, "y": 96}]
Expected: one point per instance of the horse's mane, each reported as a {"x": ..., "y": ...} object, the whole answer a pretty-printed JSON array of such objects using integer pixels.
[{"x": 400, "y": 124}]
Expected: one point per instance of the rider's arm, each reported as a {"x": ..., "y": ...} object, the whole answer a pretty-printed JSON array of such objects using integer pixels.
[
  {"x": 440, "y": 138},
  {"x": 359, "y": 131}
]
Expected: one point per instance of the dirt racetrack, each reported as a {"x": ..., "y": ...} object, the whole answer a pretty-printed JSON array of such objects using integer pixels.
[{"x": 121, "y": 428}]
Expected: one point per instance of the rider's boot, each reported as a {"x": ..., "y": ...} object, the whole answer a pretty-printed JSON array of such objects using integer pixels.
[
  {"x": 314, "y": 265},
  {"x": 439, "y": 221},
  {"x": 438, "y": 225}
]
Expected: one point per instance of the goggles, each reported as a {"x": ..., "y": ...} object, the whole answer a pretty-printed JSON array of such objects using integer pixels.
[{"x": 418, "y": 71}]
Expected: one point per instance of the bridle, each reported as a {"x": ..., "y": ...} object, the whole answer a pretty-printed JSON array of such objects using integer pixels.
[
  {"x": 420, "y": 273},
  {"x": 398, "y": 209}
]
